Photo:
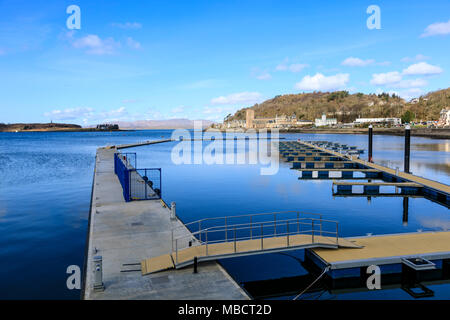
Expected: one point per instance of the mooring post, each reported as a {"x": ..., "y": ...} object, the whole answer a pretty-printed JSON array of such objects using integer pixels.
[
  {"x": 173, "y": 211},
  {"x": 195, "y": 265},
  {"x": 370, "y": 142},
  {"x": 405, "y": 210},
  {"x": 407, "y": 147},
  {"x": 98, "y": 274}
]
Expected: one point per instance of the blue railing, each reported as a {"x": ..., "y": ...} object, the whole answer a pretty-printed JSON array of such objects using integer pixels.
[{"x": 137, "y": 184}]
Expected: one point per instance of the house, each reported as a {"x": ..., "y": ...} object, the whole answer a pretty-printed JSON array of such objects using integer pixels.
[
  {"x": 391, "y": 121},
  {"x": 320, "y": 122},
  {"x": 444, "y": 119}
]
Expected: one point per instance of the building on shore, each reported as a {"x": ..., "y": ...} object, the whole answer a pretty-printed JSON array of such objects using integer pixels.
[
  {"x": 249, "y": 117},
  {"x": 279, "y": 122},
  {"x": 324, "y": 121},
  {"x": 107, "y": 127},
  {"x": 444, "y": 119},
  {"x": 235, "y": 124},
  {"x": 389, "y": 121}
]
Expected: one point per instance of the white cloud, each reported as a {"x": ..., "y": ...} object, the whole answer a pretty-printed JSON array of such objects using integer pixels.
[
  {"x": 319, "y": 82},
  {"x": 357, "y": 62},
  {"x": 418, "y": 57},
  {"x": 439, "y": 28},
  {"x": 133, "y": 43},
  {"x": 422, "y": 68},
  {"x": 128, "y": 25},
  {"x": 69, "y": 114},
  {"x": 395, "y": 80},
  {"x": 388, "y": 78},
  {"x": 238, "y": 98},
  {"x": 95, "y": 45}
]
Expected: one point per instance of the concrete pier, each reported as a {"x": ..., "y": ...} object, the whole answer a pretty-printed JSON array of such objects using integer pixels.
[{"x": 124, "y": 233}]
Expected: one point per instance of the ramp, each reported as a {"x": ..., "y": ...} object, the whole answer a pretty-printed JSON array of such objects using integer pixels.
[
  {"x": 157, "y": 264},
  {"x": 248, "y": 239}
]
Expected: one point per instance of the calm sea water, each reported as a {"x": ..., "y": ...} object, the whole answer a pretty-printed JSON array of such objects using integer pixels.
[{"x": 46, "y": 181}]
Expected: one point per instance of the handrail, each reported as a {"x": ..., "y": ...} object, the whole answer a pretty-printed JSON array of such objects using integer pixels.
[
  {"x": 201, "y": 222},
  {"x": 316, "y": 229}
]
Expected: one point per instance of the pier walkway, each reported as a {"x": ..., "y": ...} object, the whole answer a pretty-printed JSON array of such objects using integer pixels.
[
  {"x": 431, "y": 184},
  {"x": 336, "y": 161},
  {"x": 124, "y": 233},
  {"x": 388, "y": 249}
]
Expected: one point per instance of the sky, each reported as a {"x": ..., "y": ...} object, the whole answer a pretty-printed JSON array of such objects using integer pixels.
[{"x": 155, "y": 60}]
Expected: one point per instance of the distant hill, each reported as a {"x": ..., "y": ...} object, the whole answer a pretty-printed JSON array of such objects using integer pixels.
[
  {"x": 162, "y": 124},
  {"x": 347, "y": 107},
  {"x": 38, "y": 127}
]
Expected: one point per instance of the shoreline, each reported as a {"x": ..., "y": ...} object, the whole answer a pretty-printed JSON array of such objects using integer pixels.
[{"x": 417, "y": 132}]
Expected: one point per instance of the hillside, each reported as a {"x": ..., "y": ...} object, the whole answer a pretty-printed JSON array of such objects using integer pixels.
[
  {"x": 431, "y": 104},
  {"x": 347, "y": 107}
]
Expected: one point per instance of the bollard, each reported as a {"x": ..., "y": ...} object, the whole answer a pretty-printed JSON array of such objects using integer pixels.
[
  {"x": 195, "y": 265},
  {"x": 173, "y": 209},
  {"x": 98, "y": 274},
  {"x": 407, "y": 147},
  {"x": 370, "y": 142}
]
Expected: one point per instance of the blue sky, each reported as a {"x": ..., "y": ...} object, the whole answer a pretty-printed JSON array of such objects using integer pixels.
[{"x": 139, "y": 60}]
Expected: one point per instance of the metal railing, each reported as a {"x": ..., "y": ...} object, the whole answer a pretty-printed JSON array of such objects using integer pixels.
[
  {"x": 256, "y": 229},
  {"x": 137, "y": 184}
]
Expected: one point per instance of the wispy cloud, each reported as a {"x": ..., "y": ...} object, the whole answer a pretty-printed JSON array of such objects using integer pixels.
[
  {"x": 238, "y": 98},
  {"x": 129, "y": 101},
  {"x": 133, "y": 43},
  {"x": 127, "y": 25},
  {"x": 438, "y": 28},
  {"x": 87, "y": 114},
  {"x": 292, "y": 67},
  {"x": 418, "y": 57},
  {"x": 261, "y": 74},
  {"x": 69, "y": 114},
  {"x": 357, "y": 62},
  {"x": 202, "y": 84},
  {"x": 179, "y": 109},
  {"x": 320, "y": 82},
  {"x": 93, "y": 44}
]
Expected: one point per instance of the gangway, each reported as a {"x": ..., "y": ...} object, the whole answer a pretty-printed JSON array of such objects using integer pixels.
[{"x": 234, "y": 236}]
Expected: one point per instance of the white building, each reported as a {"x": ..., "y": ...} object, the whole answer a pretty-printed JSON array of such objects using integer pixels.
[
  {"x": 392, "y": 121},
  {"x": 444, "y": 119},
  {"x": 325, "y": 122}
]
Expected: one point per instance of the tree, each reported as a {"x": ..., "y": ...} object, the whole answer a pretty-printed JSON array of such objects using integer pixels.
[{"x": 407, "y": 117}]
